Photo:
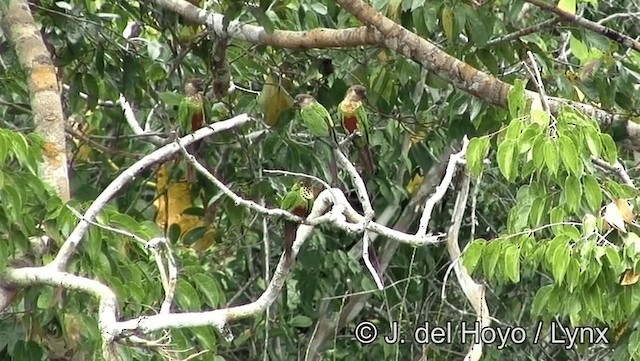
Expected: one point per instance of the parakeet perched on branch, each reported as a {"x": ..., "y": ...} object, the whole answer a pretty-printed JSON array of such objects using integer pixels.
[
  {"x": 315, "y": 117},
  {"x": 191, "y": 112},
  {"x": 298, "y": 201},
  {"x": 354, "y": 118}
]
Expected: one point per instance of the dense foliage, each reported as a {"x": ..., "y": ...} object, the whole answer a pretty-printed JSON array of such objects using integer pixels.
[{"x": 553, "y": 238}]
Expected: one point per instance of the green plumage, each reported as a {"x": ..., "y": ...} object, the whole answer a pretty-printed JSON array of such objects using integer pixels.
[
  {"x": 354, "y": 118},
  {"x": 315, "y": 116},
  {"x": 298, "y": 201}
]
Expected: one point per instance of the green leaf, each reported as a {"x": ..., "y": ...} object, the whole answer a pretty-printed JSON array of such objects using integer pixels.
[
  {"x": 514, "y": 129},
  {"x": 559, "y": 260},
  {"x": 516, "y": 99},
  {"x": 187, "y": 296},
  {"x": 573, "y": 193},
  {"x": 301, "y": 321},
  {"x": 573, "y": 274},
  {"x": 491, "y": 255},
  {"x": 568, "y": 6},
  {"x": 92, "y": 89},
  {"x": 594, "y": 142},
  {"x": 592, "y": 192},
  {"x": 551, "y": 156},
  {"x": 262, "y": 18},
  {"x": 610, "y": 148},
  {"x": 578, "y": 48},
  {"x": 540, "y": 117},
  {"x": 207, "y": 286},
  {"x": 206, "y": 337},
  {"x": 512, "y": 263},
  {"x": 569, "y": 155},
  {"x": 613, "y": 257},
  {"x": 476, "y": 153},
  {"x": 170, "y": 98},
  {"x": 541, "y": 299},
  {"x": 537, "y": 151},
  {"x": 448, "y": 22},
  {"x": 507, "y": 158},
  {"x": 634, "y": 345},
  {"x": 472, "y": 253}
]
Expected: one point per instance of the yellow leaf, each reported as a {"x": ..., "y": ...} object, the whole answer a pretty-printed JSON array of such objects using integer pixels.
[
  {"x": 414, "y": 184},
  {"x": 206, "y": 241},
  {"x": 273, "y": 100},
  {"x": 613, "y": 216},
  {"x": 568, "y": 6},
  {"x": 447, "y": 22},
  {"x": 172, "y": 205},
  {"x": 625, "y": 210},
  {"x": 394, "y": 10},
  {"x": 630, "y": 278}
]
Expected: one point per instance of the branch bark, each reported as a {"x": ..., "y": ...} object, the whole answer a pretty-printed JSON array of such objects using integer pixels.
[{"x": 44, "y": 92}]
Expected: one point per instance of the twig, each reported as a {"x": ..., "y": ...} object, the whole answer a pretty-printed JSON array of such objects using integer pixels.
[
  {"x": 69, "y": 246},
  {"x": 102, "y": 103},
  {"x": 108, "y": 228},
  {"x": 77, "y": 134},
  {"x": 296, "y": 174},
  {"x": 160, "y": 249},
  {"x": 617, "y": 168},
  {"x": 441, "y": 189},
  {"x": 523, "y": 32},
  {"x": 363, "y": 197},
  {"x": 535, "y": 73},
  {"x": 130, "y": 117}
]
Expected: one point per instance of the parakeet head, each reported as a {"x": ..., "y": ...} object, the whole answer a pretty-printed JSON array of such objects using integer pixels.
[
  {"x": 303, "y": 100},
  {"x": 193, "y": 86},
  {"x": 357, "y": 93}
]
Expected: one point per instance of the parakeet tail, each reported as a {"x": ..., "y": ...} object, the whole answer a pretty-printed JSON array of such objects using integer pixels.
[
  {"x": 289, "y": 236},
  {"x": 367, "y": 160},
  {"x": 197, "y": 121}
]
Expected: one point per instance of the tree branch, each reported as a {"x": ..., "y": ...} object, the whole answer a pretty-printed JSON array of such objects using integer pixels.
[
  {"x": 69, "y": 246},
  {"x": 44, "y": 93},
  {"x": 618, "y": 37},
  {"x": 299, "y": 40}
]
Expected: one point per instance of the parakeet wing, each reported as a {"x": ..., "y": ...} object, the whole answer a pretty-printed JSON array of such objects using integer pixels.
[
  {"x": 292, "y": 199},
  {"x": 363, "y": 122},
  {"x": 315, "y": 120}
]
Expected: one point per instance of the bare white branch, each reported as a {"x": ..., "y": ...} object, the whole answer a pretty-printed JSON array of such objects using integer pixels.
[
  {"x": 617, "y": 168},
  {"x": 130, "y": 117},
  {"x": 473, "y": 291},
  {"x": 128, "y": 175},
  {"x": 50, "y": 276},
  {"x": 161, "y": 249},
  {"x": 441, "y": 189}
]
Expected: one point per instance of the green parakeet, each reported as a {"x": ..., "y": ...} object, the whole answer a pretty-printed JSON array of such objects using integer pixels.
[
  {"x": 354, "y": 118},
  {"x": 298, "y": 201},
  {"x": 191, "y": 113},
  {"x": 315, "y": 117}
]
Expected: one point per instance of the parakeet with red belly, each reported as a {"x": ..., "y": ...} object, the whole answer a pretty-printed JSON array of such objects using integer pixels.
[
  {"x": 354, "y": 118},
  {"x": 298, "y": 201}
]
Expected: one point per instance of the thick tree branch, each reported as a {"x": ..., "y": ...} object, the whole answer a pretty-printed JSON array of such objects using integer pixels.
[
  {"x": 44, "y": 92},
  {"x": 298, "y": 40},
  {"x": 462, "y": 75}
]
